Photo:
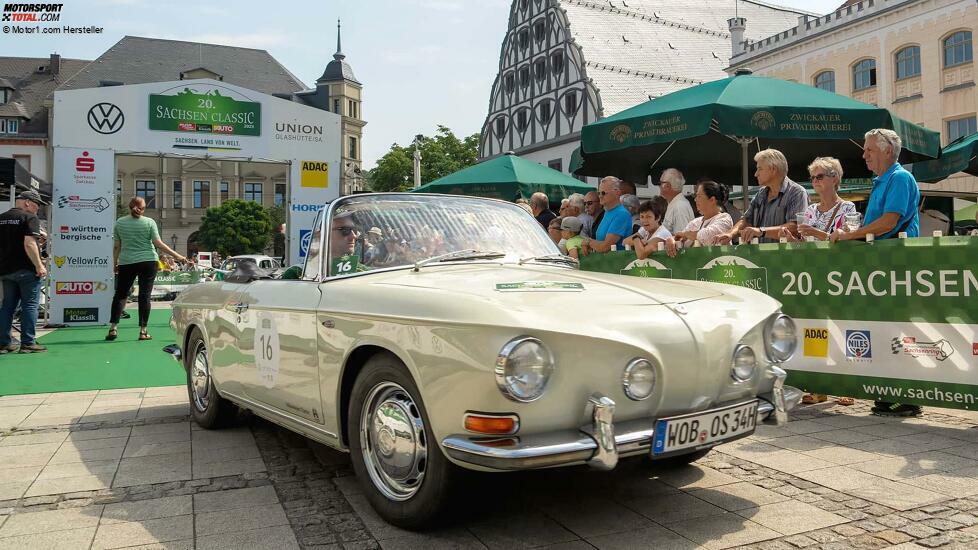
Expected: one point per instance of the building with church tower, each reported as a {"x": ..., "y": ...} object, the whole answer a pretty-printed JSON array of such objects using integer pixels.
[{"x": 567, "y": 63}]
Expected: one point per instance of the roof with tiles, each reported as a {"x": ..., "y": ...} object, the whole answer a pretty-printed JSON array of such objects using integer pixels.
[
  {"x": 32, "y": 81},
  {"x": 140, "y": 60},
  {"x": 636, "y": 50}
]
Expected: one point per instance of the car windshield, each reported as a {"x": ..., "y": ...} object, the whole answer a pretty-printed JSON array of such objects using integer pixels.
[{"x": 387, "y": 230}]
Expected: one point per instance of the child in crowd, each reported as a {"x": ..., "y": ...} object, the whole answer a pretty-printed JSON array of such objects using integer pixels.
[
  {"x": 570, "y": 230},
  {"x": 646, "y": 241}
]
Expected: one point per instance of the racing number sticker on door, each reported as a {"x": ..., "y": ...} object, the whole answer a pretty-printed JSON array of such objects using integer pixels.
[{"x": 266, "y": 349}]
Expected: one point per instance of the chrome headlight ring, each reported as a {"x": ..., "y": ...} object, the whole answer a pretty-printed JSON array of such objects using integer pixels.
[
  {"x": 743, "y": 364},
  {"x": 523, "y": 369},
  {"x": 638, "y": 379},
  {"x": 780, "y": 338}
]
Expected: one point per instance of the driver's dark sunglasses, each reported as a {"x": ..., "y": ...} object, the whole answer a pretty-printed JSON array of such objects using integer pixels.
[
  {"x": 345, "y": 230},
  {"x": 589, "y": 203}
]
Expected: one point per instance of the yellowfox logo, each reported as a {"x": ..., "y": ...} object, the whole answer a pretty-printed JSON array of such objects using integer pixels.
[{"x": 59, "y": 260}]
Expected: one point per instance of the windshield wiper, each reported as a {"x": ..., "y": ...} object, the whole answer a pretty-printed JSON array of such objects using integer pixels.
[
  {"x": 555, "y": 258},
  {"x": 459, "y": 255}
]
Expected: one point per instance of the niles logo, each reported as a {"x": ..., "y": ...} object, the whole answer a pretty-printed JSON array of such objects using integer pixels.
[
  {"x": 305, "y": 237},
  {"x": 79, "y": 287},
  {"x": 816, "y": 342},
  {"x": 84, "y": 163},
  {"x": 81, "y": 314},
  {"x": 859, "y": 345}
]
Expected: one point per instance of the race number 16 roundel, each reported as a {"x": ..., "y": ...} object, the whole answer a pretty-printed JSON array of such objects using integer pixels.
[{"x": 266, "y": 349}]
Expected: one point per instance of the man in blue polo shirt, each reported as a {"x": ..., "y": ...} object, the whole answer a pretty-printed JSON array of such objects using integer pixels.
[
  {"x": 895, "y": 196},
  {"x": 616, "y": 223},
  {"x": 892, "y": 209}
]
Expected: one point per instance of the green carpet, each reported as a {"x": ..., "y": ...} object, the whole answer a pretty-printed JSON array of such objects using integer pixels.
[{"x": 79, "y": 358}]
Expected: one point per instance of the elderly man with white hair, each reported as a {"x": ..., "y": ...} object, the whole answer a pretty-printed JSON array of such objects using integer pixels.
[
  {"x": 679, "y": 213},
  {"x": 540, "y": 208},
  {"x": 892, "y": 207}
]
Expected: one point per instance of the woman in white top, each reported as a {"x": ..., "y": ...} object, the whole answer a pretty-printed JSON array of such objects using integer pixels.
[
  {"x": 710, "y": 197},
  {"x": 650, "y": 215},
  {"x": 827, "y": 215}
]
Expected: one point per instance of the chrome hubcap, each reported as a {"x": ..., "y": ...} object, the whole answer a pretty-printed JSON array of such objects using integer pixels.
[
  {"x": 200, "y": 377},
  {"x": 393, "y": 442}
]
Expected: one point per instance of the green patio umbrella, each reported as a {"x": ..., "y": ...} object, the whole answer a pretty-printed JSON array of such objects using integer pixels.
[
  {"x": 507, "y": 177},
  {"x": 958, "y": 156},
  {"x": 713, "y": 129}
]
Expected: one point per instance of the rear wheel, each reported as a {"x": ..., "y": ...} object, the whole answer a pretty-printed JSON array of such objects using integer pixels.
[
  {"x": 207, "y": 408},
  {"x": 405, "y": 476}
]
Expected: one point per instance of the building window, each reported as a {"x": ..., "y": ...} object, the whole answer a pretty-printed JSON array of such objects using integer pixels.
[
  {"x": 522, "y": 119},
  {"x": 960, "y": 127},
  {"x": 279, "y": 194},
  {"x": 510, "y": 83},
  {"x": 147, "y": 190},
  {"x": 225, "y": 194},
  {"x": 202, "y": 194},
  {"x": 3, "y": 95},
  {"x": 908, "y": 62},
  {"x": 336, "y": 106},
  {"x": 500, "y": 126},
  {"x": 540, "y": 69},
  {"x": 825, "y": 80},
  {"x": 864, "y": 74},
  {"x": 557, "y": 165},
  {"x": 524, "y": 39},
  {"x": 557, "y": 63},
  {"x": 9, "y": 125},
  {"x": 957, "y": 48},
  {"x": 177, "y": 194},
  {"x": 545, "y": 110},
  {"x": 253, "y": 192},
  {"x": 352, "y": 108},
  {"x": 570, "y": 102},
  {"x": 524, "y": 76},
  {"x": 539, "y": 31},
  {"x": 352, "y": 146}
]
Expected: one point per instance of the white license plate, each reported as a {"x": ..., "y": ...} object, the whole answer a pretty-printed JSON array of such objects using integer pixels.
[{"x": 705, "y": 429}]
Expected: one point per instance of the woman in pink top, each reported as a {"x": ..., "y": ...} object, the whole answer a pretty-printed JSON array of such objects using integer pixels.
[
  {"x": 710, "y": 195},
  {"x": 827, "y": 215}
]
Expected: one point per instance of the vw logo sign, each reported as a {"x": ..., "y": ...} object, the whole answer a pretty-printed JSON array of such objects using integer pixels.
[
  {"x": 106, "y": 118},
  {"x": 305, "y": 237},
  {"x": 858, "y": 344}
]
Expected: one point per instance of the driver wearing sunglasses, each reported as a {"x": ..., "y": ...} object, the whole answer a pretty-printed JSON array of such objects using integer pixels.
[{"x": 342, "y": 244}]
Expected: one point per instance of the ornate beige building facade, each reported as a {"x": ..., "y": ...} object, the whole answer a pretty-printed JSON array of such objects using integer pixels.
[{"x": 914, "y": 57}]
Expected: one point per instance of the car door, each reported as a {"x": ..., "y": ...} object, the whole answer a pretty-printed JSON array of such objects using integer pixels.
[{"x": 276, "y": 328}]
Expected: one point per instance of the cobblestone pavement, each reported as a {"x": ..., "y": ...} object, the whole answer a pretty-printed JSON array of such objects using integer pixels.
[{"x": 126, "y": 469}]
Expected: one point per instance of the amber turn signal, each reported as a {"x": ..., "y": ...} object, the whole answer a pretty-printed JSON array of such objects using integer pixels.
[{"x": 493, "y": 425}]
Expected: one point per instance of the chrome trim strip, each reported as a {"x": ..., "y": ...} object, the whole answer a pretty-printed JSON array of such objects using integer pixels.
[{"x": 249, "y": 404}]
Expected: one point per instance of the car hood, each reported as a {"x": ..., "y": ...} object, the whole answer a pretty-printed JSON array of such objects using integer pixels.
[{"x": 511, "y": 283}]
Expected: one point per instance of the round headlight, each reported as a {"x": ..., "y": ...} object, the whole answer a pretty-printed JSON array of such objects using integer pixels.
[
  {"x": 523, "y": 369},
  {"x": 780, "y": 338},
  {"x": 638, "y": 380},
  {"x": 744, "y": 362}
]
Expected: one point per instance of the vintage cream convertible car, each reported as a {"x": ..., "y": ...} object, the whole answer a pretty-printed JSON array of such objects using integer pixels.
[{"x": 429, "y": 333}]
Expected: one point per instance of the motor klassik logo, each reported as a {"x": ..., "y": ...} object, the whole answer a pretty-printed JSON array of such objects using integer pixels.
[{"x": 79, "y": 287}]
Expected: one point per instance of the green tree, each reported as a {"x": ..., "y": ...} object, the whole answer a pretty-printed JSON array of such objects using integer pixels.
[
  {"x": 441, "y": 155},
  {"x": 235, "y": 227}
]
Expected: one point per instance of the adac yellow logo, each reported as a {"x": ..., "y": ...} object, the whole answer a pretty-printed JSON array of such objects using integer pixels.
[
  {"x": 59, "y": 260},
  {"x": 315, "y": 173},
  {"x": 816, "y": 342},
  {"x": 621, "y": 133}
]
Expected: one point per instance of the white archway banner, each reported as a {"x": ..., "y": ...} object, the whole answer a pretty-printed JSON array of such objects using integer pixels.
[{"x": 189, "y": 119}]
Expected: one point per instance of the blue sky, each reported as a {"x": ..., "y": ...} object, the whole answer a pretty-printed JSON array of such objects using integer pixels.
[{"x": 422, "y": 62}]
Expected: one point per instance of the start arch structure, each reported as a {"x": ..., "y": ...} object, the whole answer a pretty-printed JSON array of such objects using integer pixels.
[{"x": 188, "y": 119}]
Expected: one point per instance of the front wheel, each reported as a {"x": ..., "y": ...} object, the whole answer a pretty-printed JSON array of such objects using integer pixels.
[
  {"x": 405, "y": 476},
  {"x": 207, "y": 408}
]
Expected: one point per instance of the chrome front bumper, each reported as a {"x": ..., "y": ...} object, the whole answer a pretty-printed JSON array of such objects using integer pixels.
[{"x": 599, "y": 444}]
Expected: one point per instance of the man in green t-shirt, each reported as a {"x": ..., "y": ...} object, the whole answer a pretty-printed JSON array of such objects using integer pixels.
[{"x": 342, "y": 245}]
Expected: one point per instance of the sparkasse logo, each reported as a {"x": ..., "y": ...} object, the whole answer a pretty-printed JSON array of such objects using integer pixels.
[{"x": 84, "y": 163}]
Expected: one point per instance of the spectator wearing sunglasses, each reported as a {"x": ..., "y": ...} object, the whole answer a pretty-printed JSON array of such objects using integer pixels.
[
  {"x": 827, "y": 215},
  {"x": 616, "y": 223},
  {"x": 592, "y": 214}
]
